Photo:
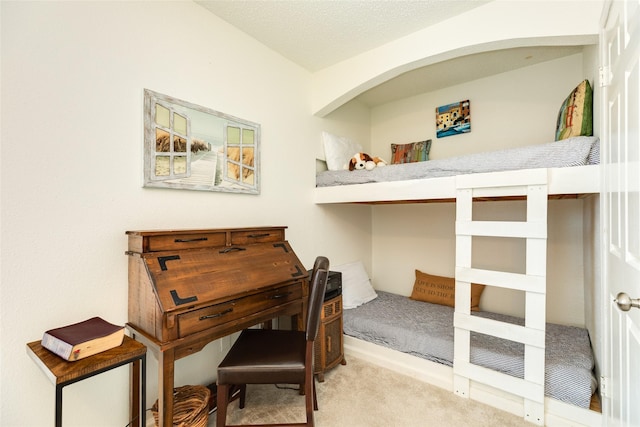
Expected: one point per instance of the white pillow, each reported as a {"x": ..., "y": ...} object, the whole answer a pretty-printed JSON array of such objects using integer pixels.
[
  {"x": 338, "y": 150},
  {"x": 356, "y": 286}
]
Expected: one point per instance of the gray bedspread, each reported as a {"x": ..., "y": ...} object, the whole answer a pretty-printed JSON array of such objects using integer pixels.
[
  {"x": 577, "y": 151},
  {"x": 426, "y": 330}
]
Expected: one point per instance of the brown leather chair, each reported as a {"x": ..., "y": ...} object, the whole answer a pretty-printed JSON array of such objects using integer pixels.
[{"x": 269, "y": 356}]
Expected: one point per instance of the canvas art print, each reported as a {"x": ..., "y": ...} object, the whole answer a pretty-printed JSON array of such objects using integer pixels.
[
  {"x": 453, "y": 119},
  {"x": 191, "y": 147}
]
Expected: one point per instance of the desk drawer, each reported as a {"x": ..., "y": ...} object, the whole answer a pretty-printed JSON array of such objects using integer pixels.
[
  {"x": 214, "y": 315},
  {"x": 246, "y": 237},
  {"x": 185, "y": 241}
]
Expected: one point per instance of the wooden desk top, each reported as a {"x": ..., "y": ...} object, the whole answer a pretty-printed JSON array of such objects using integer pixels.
[{"x": 60, "y": 371}]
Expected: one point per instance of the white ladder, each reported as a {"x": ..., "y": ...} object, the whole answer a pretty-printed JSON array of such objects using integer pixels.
[{"x": 531, "y": 183}]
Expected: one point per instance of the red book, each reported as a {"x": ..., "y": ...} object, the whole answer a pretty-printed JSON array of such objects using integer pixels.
[{"x": 83, "y": 339}]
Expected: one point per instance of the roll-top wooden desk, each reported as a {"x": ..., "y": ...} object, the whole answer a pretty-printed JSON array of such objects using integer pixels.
[{"x": 190, "y": 287}]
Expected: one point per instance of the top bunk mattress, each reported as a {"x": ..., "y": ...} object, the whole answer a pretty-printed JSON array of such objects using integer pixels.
[
  {"x": 572, "y": 165},
  {"x": 577, "y": 151}
]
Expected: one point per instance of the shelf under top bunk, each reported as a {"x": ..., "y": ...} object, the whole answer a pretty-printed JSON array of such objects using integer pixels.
[{"x": 569, "y": 167}]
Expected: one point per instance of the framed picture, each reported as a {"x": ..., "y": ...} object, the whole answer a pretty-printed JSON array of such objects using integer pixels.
[
  {"x": 190, "y": 147},
  {"x": 453, "y": 119}
]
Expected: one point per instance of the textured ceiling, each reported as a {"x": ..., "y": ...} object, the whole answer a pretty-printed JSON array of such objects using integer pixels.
[
  {"x": 319, "y": 33},
  {"x": 316, "y": 34}
]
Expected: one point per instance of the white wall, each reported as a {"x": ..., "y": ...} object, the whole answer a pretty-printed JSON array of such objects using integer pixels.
[
  {"x": 516, "y": 108},
  {"x": 353, "y": 121},
  {"x": 510, "y": 109},
  {"x": 73, "y": 75}
]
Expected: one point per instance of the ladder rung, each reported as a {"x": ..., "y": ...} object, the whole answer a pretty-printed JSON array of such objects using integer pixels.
[{"x": 517, "y": 229}]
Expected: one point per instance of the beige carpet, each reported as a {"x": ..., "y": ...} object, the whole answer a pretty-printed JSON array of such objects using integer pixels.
[{"x": 361, "y": 394}]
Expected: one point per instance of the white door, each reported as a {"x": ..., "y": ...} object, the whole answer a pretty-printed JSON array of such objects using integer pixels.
[{"x": 620, "y": 45}]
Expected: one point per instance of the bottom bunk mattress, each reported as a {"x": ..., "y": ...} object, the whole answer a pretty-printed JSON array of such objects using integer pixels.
[{"x": 426, "y": 330}]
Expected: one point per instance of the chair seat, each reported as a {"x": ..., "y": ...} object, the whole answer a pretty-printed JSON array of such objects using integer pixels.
[{"x": 265, "y": 357}]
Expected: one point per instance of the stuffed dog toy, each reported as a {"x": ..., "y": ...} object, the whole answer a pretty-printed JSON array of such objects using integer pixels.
[{"x": 365, "y": 161}]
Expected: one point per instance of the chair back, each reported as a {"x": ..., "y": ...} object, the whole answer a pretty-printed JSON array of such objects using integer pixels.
[{"x": 319, "y": 277}]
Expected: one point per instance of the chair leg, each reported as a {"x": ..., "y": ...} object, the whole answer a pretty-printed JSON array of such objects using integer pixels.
[
  {"x": 243, "y": 395},
  {"x": 309, "y": 401},
  {"x": 222, "y": 402},
  {"x": 315, "y": 398}
]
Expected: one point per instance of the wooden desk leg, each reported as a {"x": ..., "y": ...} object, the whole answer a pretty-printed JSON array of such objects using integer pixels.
[
  {"x": 59, "y": 405},
  {"x": 166, "y": 361}
]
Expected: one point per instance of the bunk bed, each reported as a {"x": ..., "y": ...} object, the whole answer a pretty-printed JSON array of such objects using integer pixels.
[{"x": 561, "y": 169}]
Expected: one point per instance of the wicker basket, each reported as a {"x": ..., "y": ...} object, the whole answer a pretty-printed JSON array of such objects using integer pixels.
[{"x": 190, "y": 406}]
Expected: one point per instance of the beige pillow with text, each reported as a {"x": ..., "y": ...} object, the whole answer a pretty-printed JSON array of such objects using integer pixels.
[{"x": 442, "y": 290}]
